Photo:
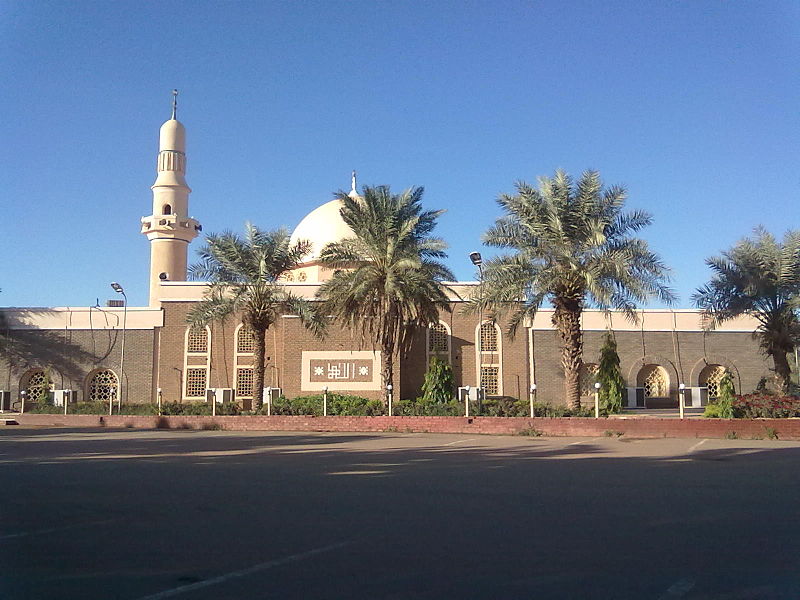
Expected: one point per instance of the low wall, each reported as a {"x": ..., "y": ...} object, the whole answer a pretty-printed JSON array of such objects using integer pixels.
[{"x": 788, "y": 429}]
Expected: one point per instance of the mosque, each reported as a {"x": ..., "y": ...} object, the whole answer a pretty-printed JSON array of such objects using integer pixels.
[{"x": 143, "y": 353}]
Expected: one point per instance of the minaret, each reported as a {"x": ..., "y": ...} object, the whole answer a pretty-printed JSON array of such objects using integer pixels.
[{"x": 170, "y": 228}]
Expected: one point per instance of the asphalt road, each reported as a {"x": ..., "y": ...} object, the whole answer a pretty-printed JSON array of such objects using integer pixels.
[{"x": 151, "y": 515}]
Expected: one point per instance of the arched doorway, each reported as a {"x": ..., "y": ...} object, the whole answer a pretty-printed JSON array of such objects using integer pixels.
[
  {"x": 654, "y": 381},
  {"x": 710, "y": 378}
]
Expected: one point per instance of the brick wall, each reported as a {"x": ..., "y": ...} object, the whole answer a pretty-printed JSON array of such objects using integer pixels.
[
  {"x": 73, "y": 355},
  {"x": 577, "y": 427}
]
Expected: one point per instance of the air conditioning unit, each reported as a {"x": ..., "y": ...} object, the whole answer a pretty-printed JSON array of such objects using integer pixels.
[
  {"x": 219, "y": 394},
  {"x": 5, "y": 400},
  {"x": 475, "y": 393},
  {"x": 273, "y": 393},
  {"x": 62, "y": 396}
]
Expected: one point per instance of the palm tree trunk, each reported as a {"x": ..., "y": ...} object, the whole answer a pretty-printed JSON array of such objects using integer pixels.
[
  {"x": 259, "y": 367},
  {"x": 567, "y": 321},
  {"x": 387, "y": 374},
  {"x": 783, "y": 372}
]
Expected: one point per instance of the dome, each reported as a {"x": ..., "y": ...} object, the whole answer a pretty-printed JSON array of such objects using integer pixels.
[
  {"x": 322, "y": 226},
  {"x": 172, "y": 136}
]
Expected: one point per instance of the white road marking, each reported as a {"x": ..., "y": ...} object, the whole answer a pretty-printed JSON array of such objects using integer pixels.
[
  {"x": 576, "y": 443},
  {"x": 244, "y": 572},
  {"x": 460, "y": 441},
  {"x": 52, "y": 529},
  {"x": 678, "y": 589},
  {"x": 696, "y": 446}
]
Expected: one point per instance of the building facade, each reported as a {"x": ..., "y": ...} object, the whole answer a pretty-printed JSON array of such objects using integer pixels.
[{"x": 144, "y": 352}]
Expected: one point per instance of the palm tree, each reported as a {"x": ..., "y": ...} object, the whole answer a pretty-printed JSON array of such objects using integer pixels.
[
  {"x": 760, "y": 277},
  {"x": 572, "y": 245},
  {"x": 387, "y": 278},
  {"x": 243, "y": 275}
]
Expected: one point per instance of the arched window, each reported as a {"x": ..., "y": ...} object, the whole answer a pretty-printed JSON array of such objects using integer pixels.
[
  {"x": 243, "y": 361},
  {"x": 438, "y": 341},
  {"x": 654, "y": 380},
  {"x": 35, "y": 384},
  {"x": 197, "y": 341},
  {"x": 197, "y": 362},
  {"x": 489, "y": 359},
  {"x": 710, "y": 378},
  {"x": 166, "y": 210},
  {"x": 588, "y": 377},
  {"x": 102, "y": 386}
]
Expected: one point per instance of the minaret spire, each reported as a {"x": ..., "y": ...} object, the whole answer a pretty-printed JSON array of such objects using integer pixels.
[
  {"x": 353, "y": 186},
  {"x": 170, "y": 228}
]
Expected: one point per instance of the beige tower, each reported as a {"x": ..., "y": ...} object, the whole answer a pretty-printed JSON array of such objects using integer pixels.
[{"x": 170, "y": 228}]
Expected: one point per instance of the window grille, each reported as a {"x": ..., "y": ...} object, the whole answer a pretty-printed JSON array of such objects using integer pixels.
[
  {"x": 588, "y": 377},
  {"x": 438, "y": 339},
  {"x": 488, "y": 337},
  {"x": 196, "y": 383},
  {"x": 35, "y": 388},
  {"x": 244, "y": 383},
  {"x": 245, "y": 341},
  {"x": 103, "y": 386},
  {"x": 197, "y": 341},
  {"x": 713, "y": 377},
  {"x": 655, "y": 383},
  {"x": 490, "y": 380}
]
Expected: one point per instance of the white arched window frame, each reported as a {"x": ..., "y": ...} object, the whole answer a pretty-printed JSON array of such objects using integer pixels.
[
  {"x": 437, "y": 342},
  {"x": 196, "y": 362},
  {"x": 243, "y": 353},
  {"x": 489, "y": 358}
]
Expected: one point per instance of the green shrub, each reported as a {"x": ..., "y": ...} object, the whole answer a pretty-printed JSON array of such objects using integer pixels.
[
  {"x": 43, "y": 408},
  {"x": 439, "y": 383},
  {"x": 185, "y": 408},
  {"x": 530, "y": 432},
  {"x": 712, "y": 411},
  {"x": 609, "y": 375}
]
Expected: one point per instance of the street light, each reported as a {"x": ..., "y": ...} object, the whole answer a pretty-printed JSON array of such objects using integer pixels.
[
  {"x": 389, "y": 390},
  {"x": 597, "y": 400},
  {"x": 477, "y": 260},
  {"x": 325, "y": 401},
  {"x": 533, "y": 395},
  {"x": 119, "y": 289},
  {"x": 681, "y": 397}
]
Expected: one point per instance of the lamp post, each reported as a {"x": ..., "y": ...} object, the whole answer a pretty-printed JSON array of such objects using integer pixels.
[
  {"x": 477, "y": 260},
  {"x": 22, "y": 395},
  {"x": 466, "y": 402},
  {"x": 597, "y": 400},
  {"x": 119, "y": 289},
  {"x": 325, "y": 401},
  {"x": 681, "y": 397},
  {"x": 389, "y": 391},
  {"x": 533, "y": 395}
]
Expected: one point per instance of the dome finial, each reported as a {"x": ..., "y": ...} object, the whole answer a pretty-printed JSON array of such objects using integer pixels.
[
  {"x": 174, "y": 104},
  {"x": 353, "y": 183}
]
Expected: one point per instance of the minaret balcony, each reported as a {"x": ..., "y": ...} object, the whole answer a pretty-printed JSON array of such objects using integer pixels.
[{"x": 171, "y": 226}]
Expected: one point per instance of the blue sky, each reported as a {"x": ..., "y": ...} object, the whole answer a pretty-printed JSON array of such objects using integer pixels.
[{"x": 693, "y": 106}]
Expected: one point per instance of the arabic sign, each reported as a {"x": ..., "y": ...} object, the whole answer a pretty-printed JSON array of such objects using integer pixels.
[{"x": 340, "y": 370}]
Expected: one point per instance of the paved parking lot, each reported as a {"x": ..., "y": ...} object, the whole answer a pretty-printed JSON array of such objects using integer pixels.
[{"x": 146, "y": 515}]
